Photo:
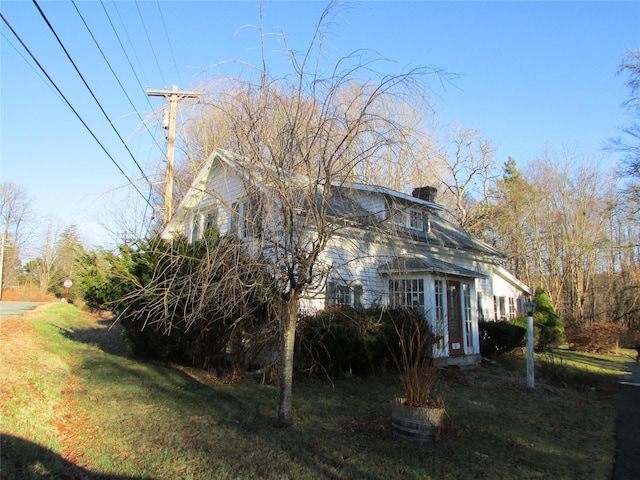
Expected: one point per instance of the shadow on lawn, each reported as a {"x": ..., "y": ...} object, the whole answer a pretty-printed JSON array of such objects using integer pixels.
[
  {"x": 339, "y": 432},
  {"x": 108, "y": 337},
  {"x": 22, "y": 459},
  {"x": 225, "y": 424}
]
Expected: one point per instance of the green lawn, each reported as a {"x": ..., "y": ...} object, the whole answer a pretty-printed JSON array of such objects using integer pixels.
[{"x": 115, "y": 415}]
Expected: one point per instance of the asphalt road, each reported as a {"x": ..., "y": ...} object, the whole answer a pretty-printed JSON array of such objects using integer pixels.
[
  {"x": 627, "y": 465},
  {"x": 9, "y": 309}
]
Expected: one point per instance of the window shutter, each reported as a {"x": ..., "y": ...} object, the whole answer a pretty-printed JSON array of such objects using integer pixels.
[
  {"x": 357, "y": 297},
  {"x": 331, "y": 294}
]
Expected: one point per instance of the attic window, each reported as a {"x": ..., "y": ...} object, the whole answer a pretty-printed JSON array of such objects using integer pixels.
[
  {"x": 416, "y": 220},
  {"x": 203, "y": 221}
]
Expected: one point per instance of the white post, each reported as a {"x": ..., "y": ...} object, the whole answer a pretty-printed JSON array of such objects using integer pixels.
[{"x": 530, "y": 370}]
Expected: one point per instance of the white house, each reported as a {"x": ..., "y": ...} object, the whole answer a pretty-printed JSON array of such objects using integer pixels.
[{"x": 391, "y": 249}]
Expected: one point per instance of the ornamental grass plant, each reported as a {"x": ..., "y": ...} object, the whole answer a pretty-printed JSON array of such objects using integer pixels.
[{"x": 414, "y": 357}]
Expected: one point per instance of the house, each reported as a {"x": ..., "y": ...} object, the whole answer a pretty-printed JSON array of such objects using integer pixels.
[{"x": 390, "y": 249}]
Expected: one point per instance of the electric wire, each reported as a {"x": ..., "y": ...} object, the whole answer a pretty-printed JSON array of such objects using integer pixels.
[
  {"x": 144, "y": 26},
  {"x": 124, "y": 51},
  {"x": 173, "y": 57},
  {"x": 73, "y": 109},
  {"x": 90, "y": 91},
  {"x": 115, "y": 75},
  {"x": 31, "y": 66}
]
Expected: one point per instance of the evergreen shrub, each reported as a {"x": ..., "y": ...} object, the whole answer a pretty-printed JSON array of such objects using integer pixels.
[
  {"x": 343, "y": 340},
  {"x": 497, "y": 338}
]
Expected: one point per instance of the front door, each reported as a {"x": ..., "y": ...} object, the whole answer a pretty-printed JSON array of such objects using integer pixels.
[{"x": 454, "y": 316}]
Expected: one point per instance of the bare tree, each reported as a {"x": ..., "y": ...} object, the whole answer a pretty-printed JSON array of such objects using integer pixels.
[
  {"x": 15, "y": 213},
  {"x": 467, "y": 172},
  {"x": 554, "y": 227},
  {"x": 628, "y": 143},
  {"x": 49, "y": 252},
  {"x": 300, "y": 136}
]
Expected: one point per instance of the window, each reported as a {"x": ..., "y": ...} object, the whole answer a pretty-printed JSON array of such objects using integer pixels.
[
  {"x": 406, "y": 293},
  {"x": 210, "y": 219},
  {"x": 466, "y": 313},
  {"x": 343, "y": 294},
  {"x": 416, "y": 220},
  {"x": 500, "y": 308},
  {"x": 238, "y": 223},
  {"x": 202, "y": 221},
  {"x": 502, "y": 301},
  {"x": 403, "y": 217},
  {"x": 512, "y": 307},
  {"x": 439, "y": 313},
  {"x": 358, "y": 296},
  {"x": 195, "y": 227}
]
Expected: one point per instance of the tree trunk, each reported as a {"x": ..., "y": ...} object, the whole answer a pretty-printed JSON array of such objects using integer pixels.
[{"x": 288, "y": 317}]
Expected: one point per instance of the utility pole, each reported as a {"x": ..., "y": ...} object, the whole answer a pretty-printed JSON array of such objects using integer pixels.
[
  {"x": 173, "y": 96},
  {"x": 1, "y": 264}
]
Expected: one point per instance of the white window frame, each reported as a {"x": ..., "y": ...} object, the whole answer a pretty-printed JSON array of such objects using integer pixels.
[
  {"x": 406, "y": 292},
  {"x": 200, "y": 223},
  {"x": 467, "y": 316},
  {"x": 416, "y": 220}
]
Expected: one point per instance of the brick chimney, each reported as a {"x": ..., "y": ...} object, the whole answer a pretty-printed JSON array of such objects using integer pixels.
[{"x": 425, "y": 193}]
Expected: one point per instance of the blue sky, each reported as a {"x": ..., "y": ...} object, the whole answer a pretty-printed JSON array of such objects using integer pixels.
[{"x": 533, "y": 75}]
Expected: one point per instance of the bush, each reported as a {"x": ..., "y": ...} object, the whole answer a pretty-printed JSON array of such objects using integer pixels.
[
  {"x": 185, "y": 302},
  {"x": 344, "y": 340},
  {"x": 497, "y": 338},
  {"x": 548, "y": 327},
  {"x": 597, "y": 338}
]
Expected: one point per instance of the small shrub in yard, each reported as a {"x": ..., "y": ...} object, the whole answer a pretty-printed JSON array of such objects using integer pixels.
[
  {"x": 497, "y": 338},
  {"x": 596, "y": 338},
  {"x": 548, "y": 326}
]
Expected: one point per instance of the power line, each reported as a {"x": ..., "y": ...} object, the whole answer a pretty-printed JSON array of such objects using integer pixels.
[
  {"x": 115, "y": 75},
  {"x": 30, "y": 65},
  {"x": 164, "y": 25},
  {"x": 90, "y": 91},
  {"x": 71, "y": 107},
  {"x": 150, "y": 43},
  {"x": 124, "y": 51}
]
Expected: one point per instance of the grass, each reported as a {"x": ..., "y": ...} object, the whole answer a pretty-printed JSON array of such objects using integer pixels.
[{"x": 84, "y": 404}]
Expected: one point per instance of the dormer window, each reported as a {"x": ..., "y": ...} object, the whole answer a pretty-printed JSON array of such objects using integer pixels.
[{"x": 416, "y": 220}]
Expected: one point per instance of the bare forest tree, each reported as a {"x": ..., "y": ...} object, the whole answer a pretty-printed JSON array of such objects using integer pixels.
[
  {"x": 628, "y": 143},
  {"x": 508, "y": 227},
  {"x": 556, "y": 229},
  {"x": 15, "y": 214},
  {"x": 302, "y": 134},
  {"x": 467, "y": 170},
  {"x": 49, "y": 252}
]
